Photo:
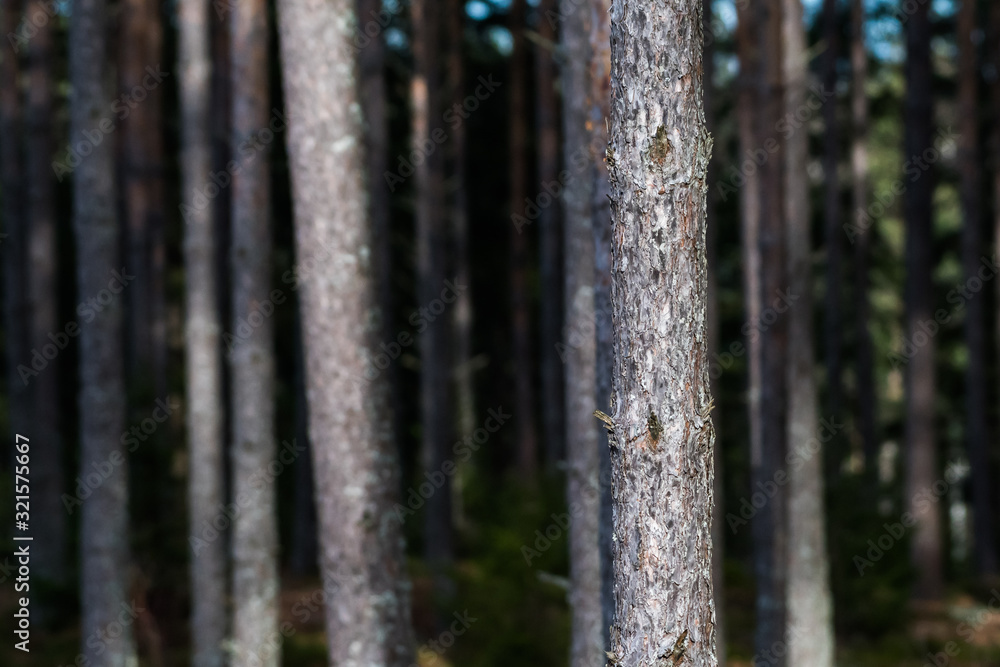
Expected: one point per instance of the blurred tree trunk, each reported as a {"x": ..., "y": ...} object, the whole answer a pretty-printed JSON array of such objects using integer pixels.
[
  {"x": 810, "y": 613},
  {"x": 42, "y": 301},
  {"x": 712, "y": 327},
  {"x": 432, "y": 269},
  {"x": 142, "y": 174},
  {"x": 994, "y": 30},
  {"x": 834, "y": 234},
  {"x": 663, "y": 435},
  {"x": 524, "y": 395},
  {"x": 580, "y": 355},
  {"x": 104, "y": 542},
  {"x": 921, "y": 463},
  {"x": 203, "y": 371},
  {"x": 547, "y": 122},
  {"x": 302, "y": 559},
  {"x": 770, "y": 524},
  {"x": 977, "y": 410},
  {"x": 251, "y": 354},
  {"x": 600, "y": 113},
  {"x": 864, "y": 367},
  {"x": 356, "y": 469}
]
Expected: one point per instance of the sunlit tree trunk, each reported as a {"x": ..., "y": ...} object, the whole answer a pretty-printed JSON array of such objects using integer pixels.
[
  {"x": 104, "y": 544},
  {"x": 662, "y": 431},
  {"x": 357, "y": 476},
  {"x": 976, "y": 403},
  {"x": 251, "y": 357},
  {"x": 203, "y": 368},
  {"x": 810, "y": 613},
  {"x": 921, "y": 454}
]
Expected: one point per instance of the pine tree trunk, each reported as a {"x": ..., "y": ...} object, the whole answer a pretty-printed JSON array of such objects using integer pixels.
[
  {"x": 810, "y": 613},
  {"x": 663, "y": 436},
  {"x": 305, "y": 529},
  {"x": 547, "y": 130},
  {"x": 600, "y": 113},
  {"x": 977, "y": 411},
  {"x": 362, "y": 558},
  {"x": 834, "y": 235},
  {"x": 582, "y": 454},
  {"x": 864, "y": 368},
  {"x": 921, "y": 463},
  {"x": 251, "y": 357},
  {"x": 104, "y": 544},
  {"x": 203, "y": 371},
  {"x": 522, "y": 360}
]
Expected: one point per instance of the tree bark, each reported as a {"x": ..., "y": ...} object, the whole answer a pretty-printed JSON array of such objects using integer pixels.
[
  {"x": 921, "y": 464},
  {"x": 834, "y": 240},
  {"x": 203, "y": 371},
  {"x": 432, "y": 266},
  {"x": 600, "y": 113},
  {"x": 104, "y": 544},
  {"x": 864, "y": 367},
  {"x": 580, "y": 357},
  {"x": 357, "y": 475},
  {"x": 522, "y": 360},
  {"x": 810, "y": 613},
  {"x": 976, "y": 402},
  {"x": 663, "y": 437},
  {"x": 547, "y": 130},
  {"x": 255, "y": 536}
]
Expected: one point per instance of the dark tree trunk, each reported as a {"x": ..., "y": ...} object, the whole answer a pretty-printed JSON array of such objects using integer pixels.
[
  {"x": 921, "y": 454},
  {"x": 976, "y": 402},
  {"x": 834, "y": 236},
  {"x": 662, "y": 433},
  {"x": 302, "y": 559}
]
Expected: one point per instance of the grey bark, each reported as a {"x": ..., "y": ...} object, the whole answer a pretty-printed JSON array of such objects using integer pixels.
[
  {"x": 810, "y": 606},
  {"x": 976, "y": 371},
  {"x": 864, "y": 368},
  {"x": 104, "y": 545},
  {"x": 202, "y": 326},
  {"x": 663, "y": 439},
  {"x": 251, "y": 358},
  {"x": 600, "y": 113},
  {"x": 580, "y": 356},
  {"x": 921, "y": 465},
  {"x": 356, "y": 471}
]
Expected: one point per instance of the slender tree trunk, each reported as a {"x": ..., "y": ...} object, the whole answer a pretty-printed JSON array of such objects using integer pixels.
[
  {"x": 810, "y": 613},
  {"x": 305, "y": 529},
  {"x": 921, "y": 464},
  {"x": 524, "y": 399},
  {"x": 104, "y": 544},
  {"x": 600, "y": 113},
  {"x": 864, "y": 368},
  {"x": 357, "y": 475},
  {"x": 255, "y": 534},
  {"x": 42, "y": 303},
  {"x": 547, "y": 130},
  {"x": 582, "y": 454},
  {"x": 663, "y": 435},
  {"x": 994, "y": 29},
  {"x": 977, "y": 411},
  {"x": 831, "y": 210},
  {"x": 203, "y": 371}
]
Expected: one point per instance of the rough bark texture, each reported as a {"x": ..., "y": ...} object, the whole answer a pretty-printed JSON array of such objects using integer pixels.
[
  {"x": 582, "y": 455},
  {"x": 663, "y": 437},
  {"x": 810, "y": 608},
  {"x": 600, "y": 113},
  {"x": 977, "y": 370},
  {"x": 432, "y": 268},
  {"x": 521, "y": 358},
  {"x": 362, "y": 558},
  {"x": 254, "y": 535},
  {"x": 550, "y": 257},
  {"x": 203, "y": 368},
  {"x": 49, "y": 523},
  {"x": 921, "y": 464},
  {"x": 104, "y": 545},
  {"x": 834, "y": 236},
  {"x": 865, "y": 361}
]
